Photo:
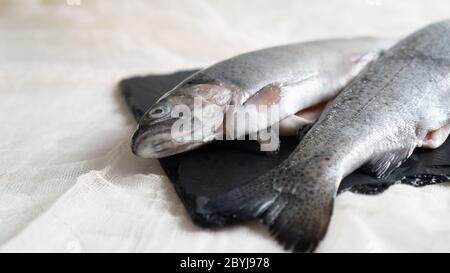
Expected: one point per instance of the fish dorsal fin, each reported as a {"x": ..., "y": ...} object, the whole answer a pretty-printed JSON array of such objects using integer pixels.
[{"x": 384, "y": 164}]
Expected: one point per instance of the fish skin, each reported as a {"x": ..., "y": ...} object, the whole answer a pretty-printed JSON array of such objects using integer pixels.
[
  {"x": 303, "y": 74},
  {"x": 377, "y": 121},
  {"x": 251, "y": 72}
]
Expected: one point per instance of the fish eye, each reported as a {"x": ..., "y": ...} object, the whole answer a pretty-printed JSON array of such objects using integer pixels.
[{"x": 158, "y": 112}]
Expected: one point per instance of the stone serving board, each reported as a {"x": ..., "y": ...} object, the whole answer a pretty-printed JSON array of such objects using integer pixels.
[{"x": 208, "y": 172}]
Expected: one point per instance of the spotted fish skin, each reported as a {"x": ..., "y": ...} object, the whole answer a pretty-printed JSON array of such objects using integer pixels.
[{"x": 377, "y": 121}]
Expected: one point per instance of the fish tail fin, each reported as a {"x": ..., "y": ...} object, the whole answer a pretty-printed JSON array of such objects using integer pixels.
[
  {"x": 298, "y": 221},
  {"x": 248, "y": 202},
  {"x": 299, "y": 224}
]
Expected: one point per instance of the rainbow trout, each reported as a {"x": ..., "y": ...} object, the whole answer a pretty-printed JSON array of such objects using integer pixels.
[
  {"x": 299, "y": 78},
  {"x": 398, "y": 103}
]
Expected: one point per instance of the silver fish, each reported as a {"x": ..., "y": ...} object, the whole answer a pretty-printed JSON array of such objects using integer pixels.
[
  {"x": 398, "y": 103},
  {"x": 296, "y": 77}
]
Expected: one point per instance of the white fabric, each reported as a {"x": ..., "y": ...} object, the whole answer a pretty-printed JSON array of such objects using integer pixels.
[{"x": 68, "y": 181}]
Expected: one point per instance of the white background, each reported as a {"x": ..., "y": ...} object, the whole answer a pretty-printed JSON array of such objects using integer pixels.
[{"x": 68, "y": 181}]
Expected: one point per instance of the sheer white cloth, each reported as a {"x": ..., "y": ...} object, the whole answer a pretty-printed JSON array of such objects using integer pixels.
[{"x": 68, "y": 182}]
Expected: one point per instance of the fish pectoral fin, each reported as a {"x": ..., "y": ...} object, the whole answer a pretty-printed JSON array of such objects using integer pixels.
[
  {"x": 291, "y": 125},
  {"x": 384, "y": 164},
  {"x": 267, "y": 96},
  {"x": 272, "y": 93},
  {"x": 436, "y": 138}
]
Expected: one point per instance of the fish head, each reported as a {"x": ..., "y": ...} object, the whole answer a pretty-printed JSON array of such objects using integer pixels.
[{"x": 184, "y": 119}]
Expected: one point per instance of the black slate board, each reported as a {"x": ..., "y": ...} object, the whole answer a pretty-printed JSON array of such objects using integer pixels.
[{"x": 208, "y": 172}]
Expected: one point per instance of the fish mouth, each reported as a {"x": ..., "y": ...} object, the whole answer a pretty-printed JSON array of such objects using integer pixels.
[
  {"x": 158, "y": 140},
  {"x": 147, "y": 144}
]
